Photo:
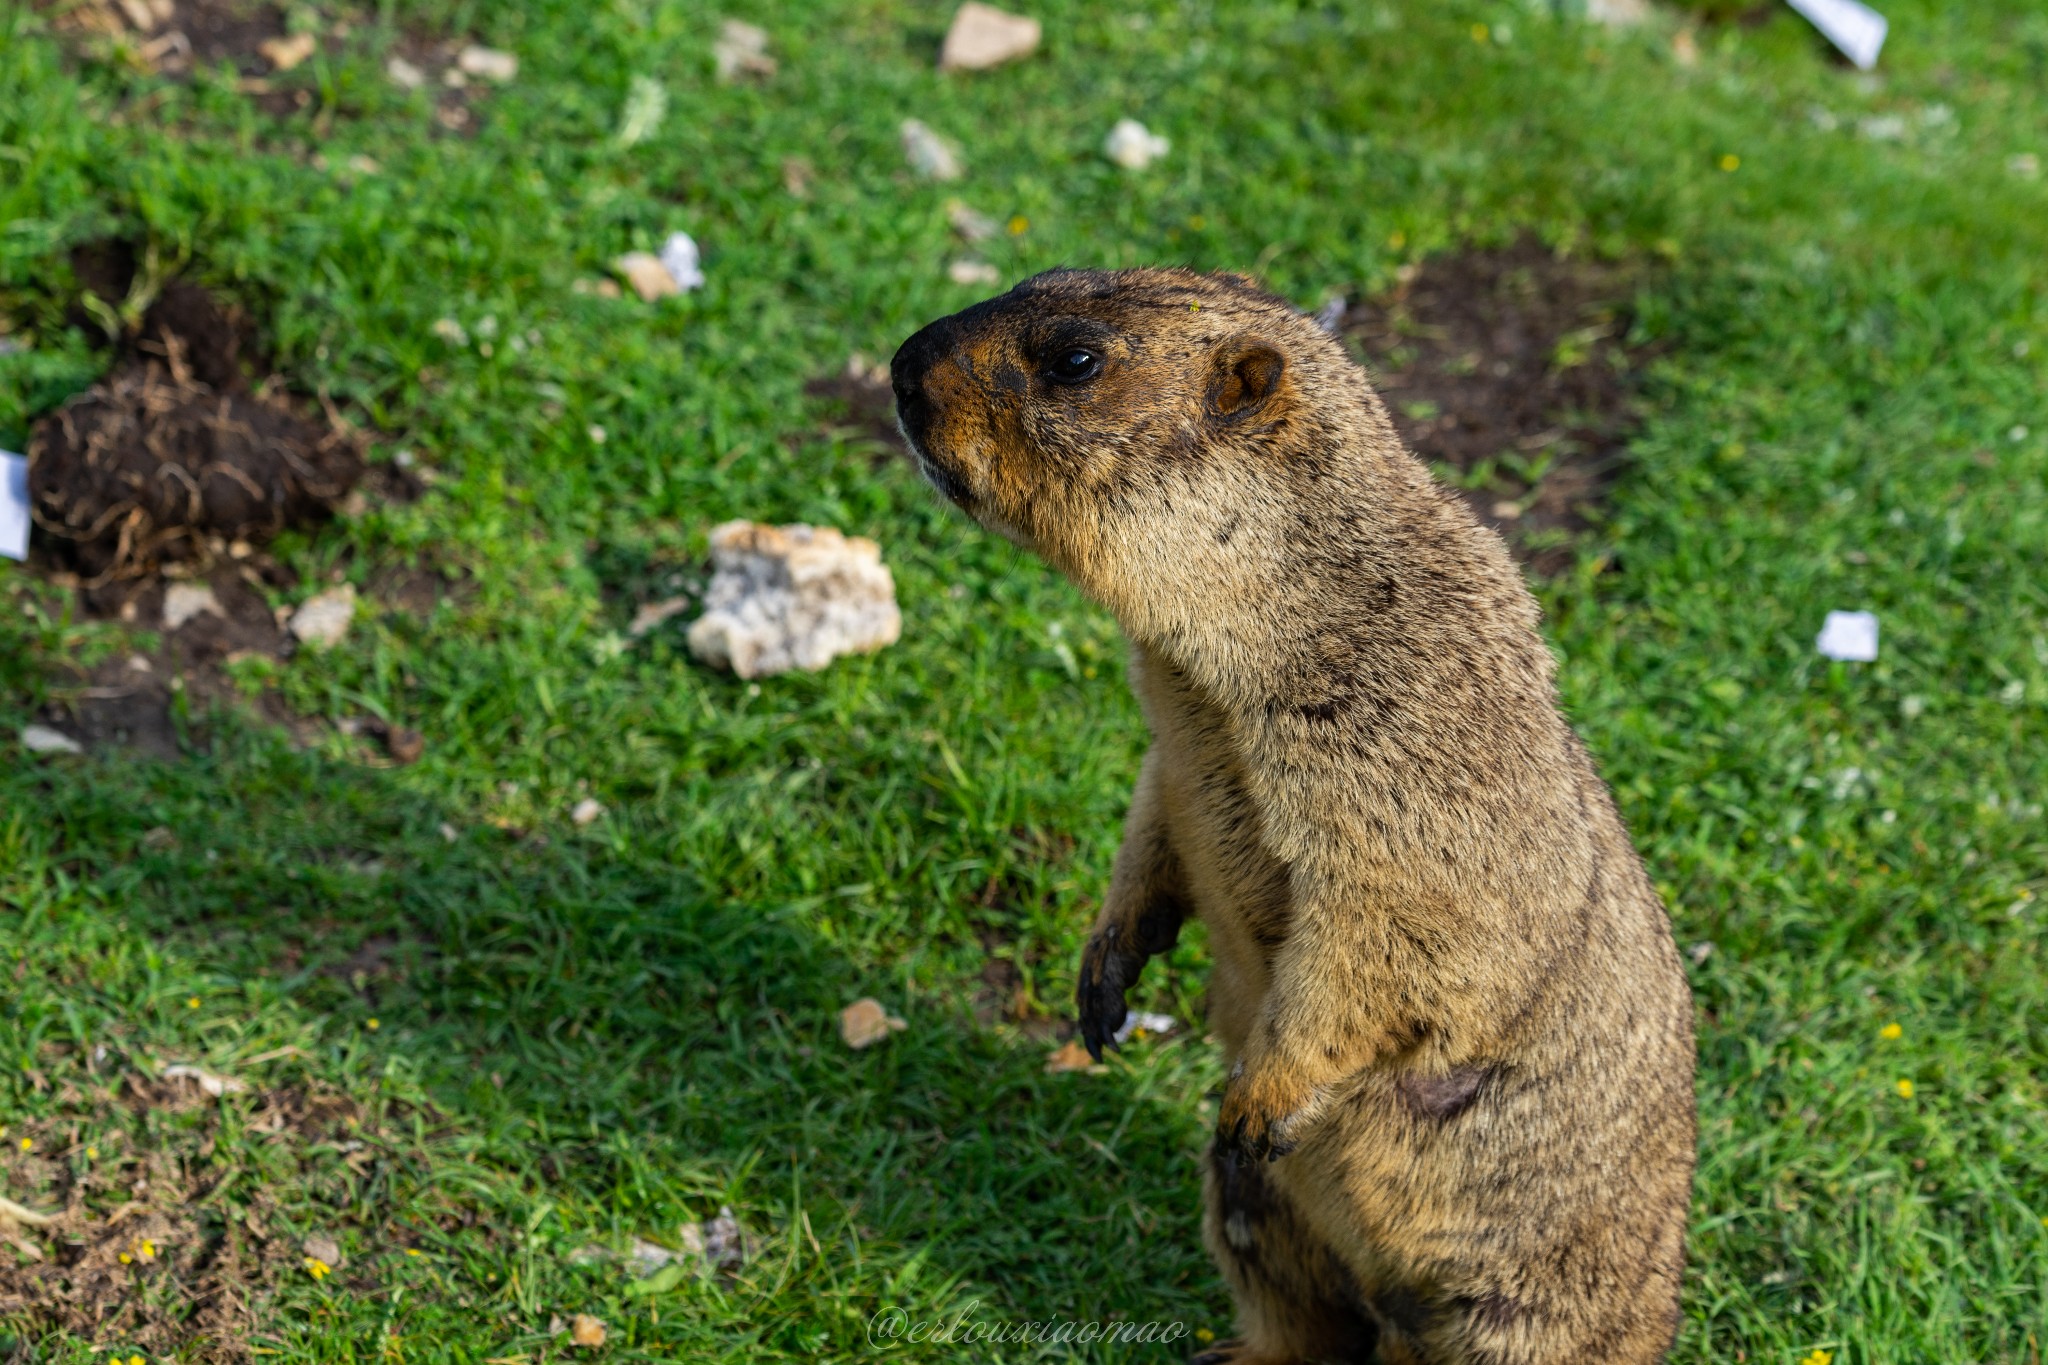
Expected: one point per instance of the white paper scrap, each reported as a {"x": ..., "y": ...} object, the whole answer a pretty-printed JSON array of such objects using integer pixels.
[
  {"x": 1161, "y": 1024},
  {"x": 1855, "y": 28},
  {"x": 13, "y": 505},
  {"x": 1850, "y": 636}
]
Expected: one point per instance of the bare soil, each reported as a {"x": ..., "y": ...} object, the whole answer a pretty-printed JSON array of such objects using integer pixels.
[{"x": 1514, "y": 367}]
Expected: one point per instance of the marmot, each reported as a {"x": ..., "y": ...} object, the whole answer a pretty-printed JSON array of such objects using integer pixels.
[{"x": 1459, "y": 1122}]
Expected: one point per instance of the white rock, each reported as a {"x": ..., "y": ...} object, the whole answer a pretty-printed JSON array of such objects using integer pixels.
[
  {"x": 1850, "y": 636},
  {"x": 982, "y": 36},
  {"x": 324, "y": 618},
  {"x": 680, "y": 258},
  {"x": 927, "y": 153},
  {"x": 41, "y": 739},
  {"x": 973, "y": 272},
  {"x": 741, "y": 50},
  {"x": 488, "y": 63},
  {"x": 784, "y": 597},
  {"x": 588, "y": 811},
  {"x": 1132, "y": 146},
  {"x": 404, "y": 74},
  {"x": 183, "y": 601}
]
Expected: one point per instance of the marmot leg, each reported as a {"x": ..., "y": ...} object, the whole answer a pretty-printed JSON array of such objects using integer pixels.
[{"x": 1295, "y": 1300}]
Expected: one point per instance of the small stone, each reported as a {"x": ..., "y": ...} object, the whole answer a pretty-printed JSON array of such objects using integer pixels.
[
  {"x": 588, "y": 811},
  {"x": 285, "y": 53},
  {"x": 324, "y": 618},
  {"x": 1132, "y": 146},
  {"x": 1071, "y": 1057},
  {"x": 488, "y": 63},
  {"x": 364, "y": 165},
  {"x": 404, "y": 74},
  {"x": 928, "y": 154},
  {"x": 322, "y": 1249},
  {"x": 649, "y": 278},
  {"x": 450, "y": 331},
  {"x": 455, "y": 78},
  {"x": 584, "y": 1330},
  {"x": 972, "y": 272},
  {"x": 41, "y": 739},
  {"x": 784, "y": 597},
  {"x": 1507, "y": 511},
  {"x": 183, "y": 601},
  {"x": 404, "y": 745},
  {"x": 972, "y": 226},
  {"x": 741, "y": 50},
  {"x": 647, "y": 1257},
  {"x": 982, "y": 36},
  {"x": 865, "y": 1023},
  {"x": 449, "y": 834},
  {"x": 1700, "y": 952}
]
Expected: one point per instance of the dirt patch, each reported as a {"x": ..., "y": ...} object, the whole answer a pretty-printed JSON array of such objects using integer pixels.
[
  {"x": 1514, "y": 367},
  {"x": 861, "y": 401},
  {"x": 172, "y": 456},
  {"x": 161, "y": 1240}
]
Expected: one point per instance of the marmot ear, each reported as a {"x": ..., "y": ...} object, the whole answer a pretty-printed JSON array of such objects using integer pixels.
[{"x": 1244, "y": 374}]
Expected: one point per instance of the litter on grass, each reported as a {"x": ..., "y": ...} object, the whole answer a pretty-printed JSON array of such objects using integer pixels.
[
  {"x": 927, "y": 153},
  {"x": 973, "y": 272},
  {"x": 676, "y": 270},
  {"x": 1142, "y": 1021},
  {"x": 14, "y": 517},
  {"x": 680, "y": 257},
  {"x": 41, "y": 739},
  {"x": 646, "y": 106},
  {"x": 787, "y": 597},
  {"x": 1856, "y": 29},
  {"x": 1071, "y": 1056},
  {"x": 865, "y": 1023},
  {"x": 972, "y": 226},
  {"x": 982, "y": 36},
  {"x": 1850, "y": 636},
  {"x": 219, "y": 1085},
  {"x": 1132, "y": 146}
]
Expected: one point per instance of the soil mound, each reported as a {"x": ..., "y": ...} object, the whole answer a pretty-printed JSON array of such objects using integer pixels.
[{"x": 173, "y": 455}]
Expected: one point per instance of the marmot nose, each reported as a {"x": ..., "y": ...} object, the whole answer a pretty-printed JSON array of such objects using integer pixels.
[{"x": 907, "y": 372}]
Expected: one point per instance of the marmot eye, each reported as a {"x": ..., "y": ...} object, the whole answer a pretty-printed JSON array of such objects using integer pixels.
[{"x": 1075, "y": 365}]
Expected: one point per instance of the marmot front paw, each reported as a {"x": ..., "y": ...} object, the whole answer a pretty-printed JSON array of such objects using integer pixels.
[
  {"x": 1264, "y": 1113},
  {"x": 1107, "y": 970}
]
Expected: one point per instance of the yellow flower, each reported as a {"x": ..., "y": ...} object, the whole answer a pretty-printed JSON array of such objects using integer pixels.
[
  {"x": 1479, "y": 33},
  {"x": 1204, "y": 1335},
  {"x": 148, "y": 1250},
  {"x": 193, "y": 1003},
  {"x": 1197, "y": 222},
  {"x": 372, "y": 1024},
  {"x": 1730, "y": 161},
  {"x": 1905, "y": 1090},
  {"x": 412, "y": 1251},
  {"x": 317, "y": 1268},
  {"x": 1818, "y": 1358},
  {"x": 28, "y": 1144},
  {"x": 1397, "y": 239},
  {"x": 92, "y": 1154},
  {"x": 1019, "y": 225},
  {"x": 135, "y": 1360},
  {"x": 1891, "y": 1032},
  {"x": 126, "y": 1258}
]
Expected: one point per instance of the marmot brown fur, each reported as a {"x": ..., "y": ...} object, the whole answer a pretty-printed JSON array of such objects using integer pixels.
[{"x": 1459, "y": 1124}]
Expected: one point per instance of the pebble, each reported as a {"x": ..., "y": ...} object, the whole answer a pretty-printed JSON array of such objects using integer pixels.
[
  {"x": 324, "y": 618},
  {"x": 183, "y": 601},
  {"x": 1133, "y": 146},
  {"x": 741, "y": 50},
  {"x": 488, "y": 63},
  {"x": 928, "y": 154},
  {"x": 982, "y": 36},
  {"x": 865, "y": 1023},
  {"x": 973, "y": 272}
]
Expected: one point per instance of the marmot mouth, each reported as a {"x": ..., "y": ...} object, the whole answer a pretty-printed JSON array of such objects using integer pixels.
[{"x": 938, "y": 476}]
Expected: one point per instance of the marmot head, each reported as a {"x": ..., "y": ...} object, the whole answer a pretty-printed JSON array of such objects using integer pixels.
[{"x": 1093, "y": 415}]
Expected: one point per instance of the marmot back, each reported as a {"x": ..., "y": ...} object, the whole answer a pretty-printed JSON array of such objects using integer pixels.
[{"x": 1459, "y": 1123}]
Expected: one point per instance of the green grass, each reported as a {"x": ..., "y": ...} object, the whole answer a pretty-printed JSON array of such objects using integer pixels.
[{"x": 588, "y": 1034}]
